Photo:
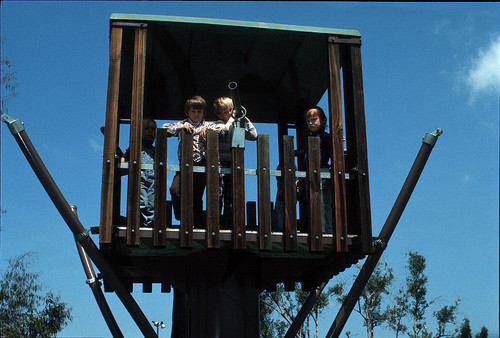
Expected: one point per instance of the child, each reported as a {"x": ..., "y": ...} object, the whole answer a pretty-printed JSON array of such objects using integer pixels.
[
  {"x": 223, "y": 107},
  {"x": 195, "y": 110},
  {"x": 315, "y": 119},
  {"x": 147, "y": 200}
]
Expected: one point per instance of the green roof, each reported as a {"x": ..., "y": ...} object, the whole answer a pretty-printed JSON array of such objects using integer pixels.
[{"x": 235, "y": 23}]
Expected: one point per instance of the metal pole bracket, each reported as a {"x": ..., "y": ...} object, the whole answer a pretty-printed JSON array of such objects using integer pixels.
[
  {"x": 15, "y": 126},
  {"x": 431, "y": 138}
]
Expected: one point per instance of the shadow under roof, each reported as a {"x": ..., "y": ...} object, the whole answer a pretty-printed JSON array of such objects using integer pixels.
[{"x": 278, "y": 68}]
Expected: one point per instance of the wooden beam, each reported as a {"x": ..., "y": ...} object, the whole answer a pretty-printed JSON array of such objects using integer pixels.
[
  {"x": 290, "y": 195},
  {"x": 110, "y": 138},
  {"x": 238, "y": 193},
  {"x": 264, "y": 192},
  {"x": 361, "y": 143},
  {"x": 187, "y": 217},
  {"x": 213, "y": 186},
  {"x": 160, "y": 222},
  {"x": 337, "y": 133},
  {"x": 134, "y": 182},
  {"x": 314, "y": 194}
]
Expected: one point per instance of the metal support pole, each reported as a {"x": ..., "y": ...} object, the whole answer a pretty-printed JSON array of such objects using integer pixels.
[
  {"x": 304, "y": 311},
  {"x": 95, "y": 286},
  {"x": 81, "y": 234},
  {"x": 428, "y": 143}
]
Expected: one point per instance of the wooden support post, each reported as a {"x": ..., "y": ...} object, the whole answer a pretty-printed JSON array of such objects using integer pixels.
[
  {"x": 238, "y": 193},
  {"x": 356, "y": 141},
  {"x": 213, "y": 185},
  {"x": 160, "y": 223},
  {"x": 187, "y": 217},
  {"x": 315, "y": 208},
  {"x": 110, "y": 138},
  {"x": 264, "y": 192},
  {"x": 290, "y": 195},
  {"x": 134, "y": 182},
  {"x": 337, "y": 133}
]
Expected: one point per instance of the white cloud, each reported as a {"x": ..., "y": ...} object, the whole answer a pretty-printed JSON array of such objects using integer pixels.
[
  {"x": 95, "y": 146},
  {"x": 484, "y": 75}
]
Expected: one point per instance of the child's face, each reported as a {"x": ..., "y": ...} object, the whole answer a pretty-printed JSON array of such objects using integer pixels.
[
  {"x": 225, "y": 114},
  {"x": 196, "y": 115},
  {"x": 313, "y": 120},
  {"x": 149, "y": 131}
]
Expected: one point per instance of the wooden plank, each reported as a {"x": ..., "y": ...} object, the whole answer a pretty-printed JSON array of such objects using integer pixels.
[
  {"x": 110, "y": 138},
  {"x": 314, "y": 184},
  {"x": 213, "y": 187},
  {"x": 264, "y": 192},
  {"x": 186, "y": 168},
  {"x": 160, "y": 222},
  {"x": 238, "y": 193},
  {"x": 134, "y": 181},
  {"x": 361, "y": 143},
  {"x": 337, "y": 133},
  {"x": 290, "y": 195}
]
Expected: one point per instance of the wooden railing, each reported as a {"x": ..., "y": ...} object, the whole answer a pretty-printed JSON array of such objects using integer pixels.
[{"x": 264, "y": 236}]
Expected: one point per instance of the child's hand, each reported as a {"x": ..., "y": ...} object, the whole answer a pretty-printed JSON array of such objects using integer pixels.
[
  {"x": 189, "y": 128},
  {"x": 203, "y": 131}
]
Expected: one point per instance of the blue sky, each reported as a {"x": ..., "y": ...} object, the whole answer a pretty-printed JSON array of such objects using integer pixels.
[{"x": 425, "y": 66}]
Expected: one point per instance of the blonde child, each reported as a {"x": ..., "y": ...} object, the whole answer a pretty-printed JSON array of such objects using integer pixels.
[{"x": 223, "y": 107}]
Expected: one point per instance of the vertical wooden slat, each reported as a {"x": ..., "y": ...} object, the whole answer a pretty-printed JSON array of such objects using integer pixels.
[
  {"x": 187, "y": 217},
  {"x": 315, "y": 208},
  {"x": 337, "y": 133},
  {"x": 238, "y": 193},
  {"x": 359, "y": 116},
  {"x": 213, "y": 186},
  {"x": 133, "y": 207},
  {"x": 264, "y": 192},
  {"x": 160, "y": 223},
  {"x": 110, "y": 139},
  {"x": 290, "y": 195}
]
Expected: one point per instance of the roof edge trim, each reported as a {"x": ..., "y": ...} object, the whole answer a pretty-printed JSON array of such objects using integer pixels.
[{"x": 235, "y": 23}]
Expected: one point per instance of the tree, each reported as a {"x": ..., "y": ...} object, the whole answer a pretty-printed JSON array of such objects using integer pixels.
[
  {"x": 23, "y": 311},
  {"x": 446, "y": 315},
  {"x": 483, "y": 333},
  {"x": 278, "y": 309},
  {"x": 9, "y": 84},
  {"x": 465, "y": 331},
  {"x": 369, "y": 305}
]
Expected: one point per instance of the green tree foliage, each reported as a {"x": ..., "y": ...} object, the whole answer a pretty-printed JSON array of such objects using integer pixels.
[
  {"x": 24, "y": 312},
  {"x": 465, "y": 331},
  {"x": 278, "y": 309},
  {"x": 444, "y": 316},
  {"x": 483, "y": 333},
  {"x": 369, "y": 305}
]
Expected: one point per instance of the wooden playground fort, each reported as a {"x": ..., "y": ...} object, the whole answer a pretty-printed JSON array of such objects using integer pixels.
[{"x": 155, "y": 64}]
